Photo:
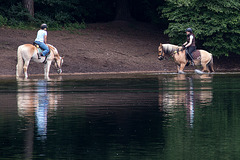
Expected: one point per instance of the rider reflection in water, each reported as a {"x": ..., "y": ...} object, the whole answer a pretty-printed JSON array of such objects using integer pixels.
[
  {"x": 42, "y": 109},
  {"x": 190, "y": 103}
]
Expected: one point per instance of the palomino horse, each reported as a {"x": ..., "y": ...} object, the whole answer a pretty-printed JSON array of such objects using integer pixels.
[
  {"x": 29, "y": 52},
  {"x": 205, "y": 58}
]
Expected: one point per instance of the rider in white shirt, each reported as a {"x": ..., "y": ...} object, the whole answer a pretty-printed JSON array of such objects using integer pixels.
[{"x": 41, "y": 39}]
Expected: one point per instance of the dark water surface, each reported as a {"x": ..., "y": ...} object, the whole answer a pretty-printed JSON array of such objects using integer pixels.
[{"x": 124, "y": 116}]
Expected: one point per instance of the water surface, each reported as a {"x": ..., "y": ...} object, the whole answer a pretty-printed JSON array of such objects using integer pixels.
[{"x": 123, "y": 116}]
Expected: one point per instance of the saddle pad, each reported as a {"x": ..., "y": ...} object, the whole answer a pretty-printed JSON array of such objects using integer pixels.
[
  {"x": 37, "y": 46},
  {"x": 196, "y": 54},
  {"x": 39, "y": 50}
]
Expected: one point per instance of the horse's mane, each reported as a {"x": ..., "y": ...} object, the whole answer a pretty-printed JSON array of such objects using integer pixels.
[
  {"x": 53, "y": 49},
  {"x": 169, "y": 48}
]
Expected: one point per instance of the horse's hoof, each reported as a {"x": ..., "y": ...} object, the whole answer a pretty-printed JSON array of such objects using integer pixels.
[
  {"x": 181, "y": 72},
  {"x": 198, "y": 71},
  {"x": 59, "y": 71}
]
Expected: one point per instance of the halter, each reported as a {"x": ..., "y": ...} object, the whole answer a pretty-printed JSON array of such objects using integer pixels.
[
  {"x": 59, "y": 70},
  {"x": 161, "y": 57}
]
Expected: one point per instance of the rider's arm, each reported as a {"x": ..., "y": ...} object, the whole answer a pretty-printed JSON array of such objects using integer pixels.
[
  {"x": 45, "y": 39},
  {"x": 190, "y": 42}
]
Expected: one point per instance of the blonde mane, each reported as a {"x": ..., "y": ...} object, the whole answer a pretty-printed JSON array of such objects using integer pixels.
[
  {"x": 53, "y": 49},
  {"x": 169, "y": 48}
]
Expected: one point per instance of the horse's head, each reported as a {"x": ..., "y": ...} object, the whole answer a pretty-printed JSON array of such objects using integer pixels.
[
  {"x": 160, "y": 52},
  {"x": 58, "y": 64},
  {"x": 58, "y": 61}
]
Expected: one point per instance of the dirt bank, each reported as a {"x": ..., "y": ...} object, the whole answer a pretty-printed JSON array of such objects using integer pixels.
[{"x": 105, "y": 47}]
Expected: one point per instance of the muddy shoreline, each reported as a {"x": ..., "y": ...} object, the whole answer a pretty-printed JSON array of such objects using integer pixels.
[{"x": 104, "y": 47}]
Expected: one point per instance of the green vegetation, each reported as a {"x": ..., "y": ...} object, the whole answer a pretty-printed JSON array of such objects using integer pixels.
[
  {"x": 14, "y": 15},
  {"x": 215, "y": 23},
  {"x": 73, "y": 14}
]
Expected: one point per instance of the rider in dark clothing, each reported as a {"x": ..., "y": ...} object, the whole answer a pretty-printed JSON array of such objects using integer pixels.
[{"x": 190, "y": 44}]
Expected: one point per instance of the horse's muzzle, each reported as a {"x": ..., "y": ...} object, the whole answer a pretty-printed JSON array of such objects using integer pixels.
[
  {"x": 160, "y": 58},
  {"x": 59, "y": 71}
]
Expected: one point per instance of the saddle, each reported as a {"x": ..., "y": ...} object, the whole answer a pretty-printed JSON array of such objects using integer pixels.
[
  {"x": 39, "y": 53},
  {"x": 40, "y": 50},
  {"x": 195, "y": 55}
]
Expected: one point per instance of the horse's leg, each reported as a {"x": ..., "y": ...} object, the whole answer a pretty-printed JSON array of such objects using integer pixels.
[
  {"x": 178, "y": 67},
  {"x": 19, "y": 66},
  {"x": 204, "y": 65},
  {"x": 182, "y": 65},
  {"x": 47, "y": 69},
  {"x": 210, "y": 66},
  {"x": 25, "y": 67},
  {"x": 206, "y": 61}
]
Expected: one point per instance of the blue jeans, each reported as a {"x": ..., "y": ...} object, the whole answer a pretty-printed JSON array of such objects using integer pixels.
[{"x": 44, "y": 47}]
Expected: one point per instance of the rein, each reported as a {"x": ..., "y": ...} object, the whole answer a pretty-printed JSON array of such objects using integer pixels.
[
  {"x": 173, "y": 53},
  {"x": 61, "y": 62}
]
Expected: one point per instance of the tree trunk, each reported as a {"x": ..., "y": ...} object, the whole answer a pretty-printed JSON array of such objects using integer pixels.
[
  {"x": 123, "y": 10},
  {"x": 29, "y": 5}
]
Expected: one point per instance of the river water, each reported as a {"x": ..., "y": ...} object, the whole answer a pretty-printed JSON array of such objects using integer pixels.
[{"x": 122, "y": 116}]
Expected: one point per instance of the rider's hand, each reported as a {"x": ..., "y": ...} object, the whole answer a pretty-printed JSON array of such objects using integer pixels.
[{"x": 183, "y": 47}]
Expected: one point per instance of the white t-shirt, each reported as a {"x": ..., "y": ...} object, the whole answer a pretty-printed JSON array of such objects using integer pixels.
[{"x": 40, "y": 35}]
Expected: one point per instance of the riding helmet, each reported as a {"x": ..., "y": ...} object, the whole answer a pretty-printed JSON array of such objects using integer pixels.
[
  {"x": 189, "y": 30},
  {"x": 43, "y": 26}
]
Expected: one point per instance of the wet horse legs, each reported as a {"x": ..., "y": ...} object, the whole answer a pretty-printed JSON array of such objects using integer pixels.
[
  {"x": 47, "y": 69},
  {"x": 180, "y": 68},
  {"x": 25, "y": 67}
]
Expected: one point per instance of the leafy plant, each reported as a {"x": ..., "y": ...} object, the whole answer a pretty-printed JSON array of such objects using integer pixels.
[
  {"x": 3, "y": 21},
  {"x": 215, "y": 23}
]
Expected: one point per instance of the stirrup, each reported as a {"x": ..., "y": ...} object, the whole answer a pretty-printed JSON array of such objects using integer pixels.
[
  {"x": 45, "y": 60},
  {"x": 39, "y": 56}
]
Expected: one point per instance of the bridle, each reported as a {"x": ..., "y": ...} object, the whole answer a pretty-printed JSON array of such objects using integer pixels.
[
  {"x": 59, "y": 70},
  {"x": 160, "y": 54}
]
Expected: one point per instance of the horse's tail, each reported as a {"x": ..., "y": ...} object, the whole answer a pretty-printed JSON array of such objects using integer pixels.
[
  {"x": 210, "y": 64},
  {"x": 19, "y": 66}
]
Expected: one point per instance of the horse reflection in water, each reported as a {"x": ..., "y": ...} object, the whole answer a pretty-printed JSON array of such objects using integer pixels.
[
  {"x": 35, "y": 101},
  {"x": 179, "y": 91}
]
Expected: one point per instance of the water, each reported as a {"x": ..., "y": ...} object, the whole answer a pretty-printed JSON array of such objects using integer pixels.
[{"x": 122, "y": 116}]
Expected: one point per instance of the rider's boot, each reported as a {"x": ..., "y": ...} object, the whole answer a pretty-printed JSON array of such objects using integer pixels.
[
  {"x": 39, "y": 55},
  {"x": 192, "y": 63}
]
